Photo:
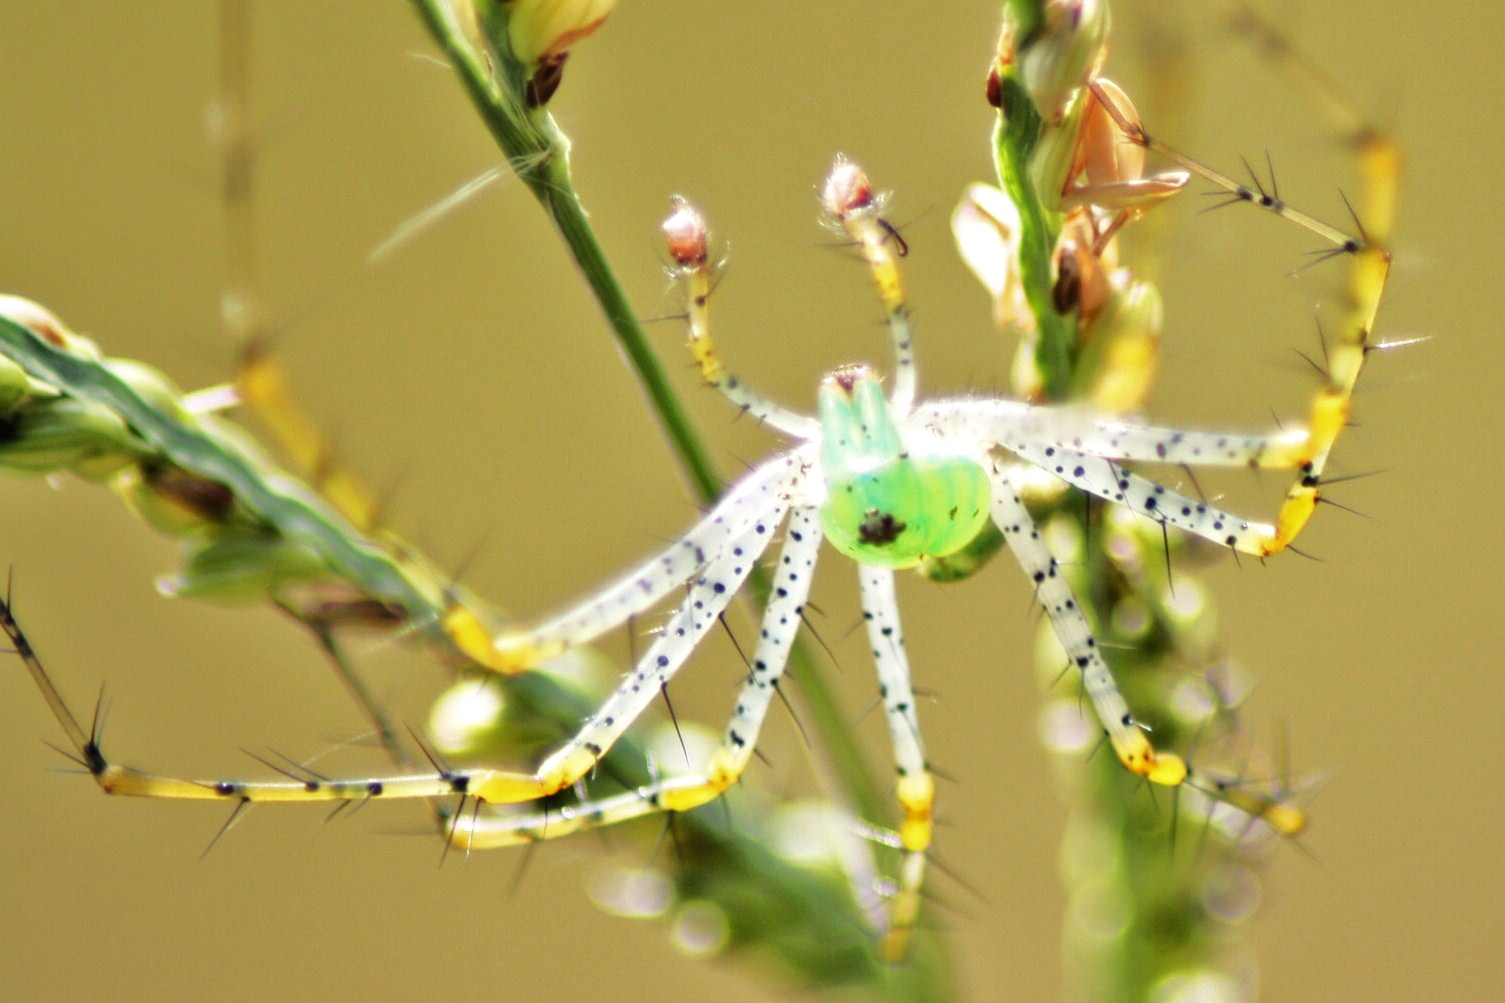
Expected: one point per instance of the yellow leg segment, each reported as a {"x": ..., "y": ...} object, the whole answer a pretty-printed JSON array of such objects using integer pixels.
[
  {"x": 687, "y": 239},
  {"x": 678, "y": 794},
  {"x": 724, "y": 770},
  {"x": 1140, "y": 757},
  {"x": 263, "y": 388},
  {"x": 849, "y": 198},
  {"x": 702, "y": 348}
]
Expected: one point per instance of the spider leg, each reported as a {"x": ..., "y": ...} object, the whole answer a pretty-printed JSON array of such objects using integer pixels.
[
  {"x": 916, "y": 787},
  {"x": 687, "y": 237},
  {"x": 743, "y": 510},
  {"x": 113, "y": 778},
  {"x": 1303, "y": 449},
  {"x": 781, "y": 621},
  {"x": 1083, "y": 430},
  {"x": 1084, "y": 451},
  {"x": 1134, "y": 132},
  {"x": 1111, "y": 481},
  {"x": 710, "y": 594},
  {"x": 1129, "y": 741},
  {"x": 848, "y": 196}
]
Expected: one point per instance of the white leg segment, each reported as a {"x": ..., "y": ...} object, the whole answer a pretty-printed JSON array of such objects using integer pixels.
[
  {"x": 697, "y": 279},
  {"x": 1109, "y": 480},
  {"x": 849, "y": 198},
  {"x": 1012, "y": 424},
  {"x": 916, "y": 787},
  {"x": 875, "y": 236},
  {"x": 747, "y": 506},
  {"x": 708, "y": 598},
  {"x": 781, "y": 622},
  {"x": 1023, "y": 538}
]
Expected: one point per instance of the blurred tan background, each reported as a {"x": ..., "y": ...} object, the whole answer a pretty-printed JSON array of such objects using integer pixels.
[{"x": 470, "y": 372}]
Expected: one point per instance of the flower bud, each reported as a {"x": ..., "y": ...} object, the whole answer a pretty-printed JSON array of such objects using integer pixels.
[
  {"x": 17, "y": 386},
  {"x": 151, "y": 383},
  {"x": 985, "y": 224},
  {"x": 243, "y": 567},
  {"x": 1066, "y": 53},
  {"x": 476, "y": 719},
  {"x": 67, "y": 434},
  {"x": 172, "y": 499},
  {"x": 41, "y": 321},
  {"x": 1122, "y": 349},
  {"x": 543, "y": 30},
  {"x": 1001, "y": 64},
  {"x": 1053, "y": 166}
]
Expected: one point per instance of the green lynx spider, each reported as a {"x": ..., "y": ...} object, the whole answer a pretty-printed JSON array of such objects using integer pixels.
[{"x": 888, "y": 481}]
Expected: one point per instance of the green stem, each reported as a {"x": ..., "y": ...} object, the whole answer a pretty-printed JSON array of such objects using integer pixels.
[
  {"x": 569, "y": 216},
  {"x": 1134, "y": 869},
  {"x": 539, "y": 154},
  {"x": 1014, "y": 140},
  {"x": 1027, "y": 16}
]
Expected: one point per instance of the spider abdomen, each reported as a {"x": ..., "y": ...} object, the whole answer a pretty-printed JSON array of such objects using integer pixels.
[
  {"x": 885, "y": 504},
  {"x": 906, "y": 509}
]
